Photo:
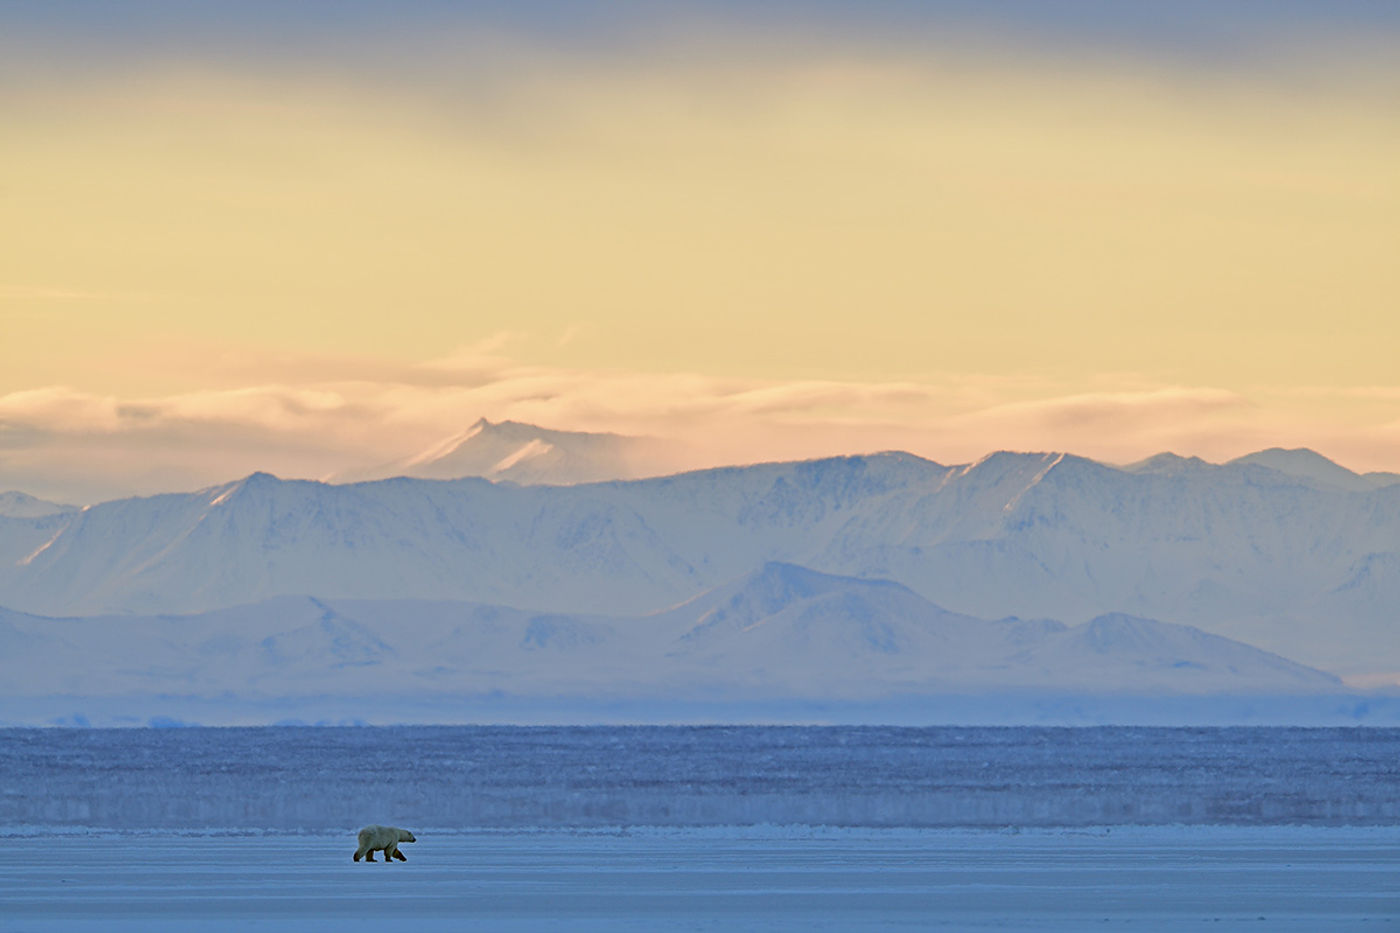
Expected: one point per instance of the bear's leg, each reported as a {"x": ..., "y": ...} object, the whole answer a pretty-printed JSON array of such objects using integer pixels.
[
  {"x": 369, "y": 856},
  {"x": 359, "y": 855},
  {"x": 399, "y": 855},
  {"x": 390, "y": 851}
]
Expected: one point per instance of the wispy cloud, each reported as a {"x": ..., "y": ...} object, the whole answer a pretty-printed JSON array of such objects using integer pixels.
[
  {"x": 480, "y": 354},
  {"x": 1109, "y": 412},
  {"x": 66, "y": 443}
]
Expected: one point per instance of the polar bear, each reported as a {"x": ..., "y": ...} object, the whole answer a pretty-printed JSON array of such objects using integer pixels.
[{"x": 376, "y": 837}]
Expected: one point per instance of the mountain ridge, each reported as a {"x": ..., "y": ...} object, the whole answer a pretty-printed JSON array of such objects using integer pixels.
[
  {"x": 1245, "y": 551},
  {"x": 798, "y": 633}
]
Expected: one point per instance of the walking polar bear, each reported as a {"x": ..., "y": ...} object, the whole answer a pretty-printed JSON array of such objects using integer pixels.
[{"x": 374, "y": 838}]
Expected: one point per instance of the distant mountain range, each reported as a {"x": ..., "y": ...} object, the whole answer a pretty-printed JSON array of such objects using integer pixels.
[
  {"x": 1300, "y": 463},
  {"x": 781, "y": 631},
  {"x": 1282, "y": 550},
  {"x": 527, "y": 454}
]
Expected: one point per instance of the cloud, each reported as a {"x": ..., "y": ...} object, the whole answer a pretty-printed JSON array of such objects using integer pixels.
[
  {"x": 1108, "y": 412},
  {"x": 318, "y": 428},
  {"x": 481, "y": 354},
  {"x": 65, "y": 443},
  {"x": 1114, "y": 426},
  {"x": 845, "y": 210}
]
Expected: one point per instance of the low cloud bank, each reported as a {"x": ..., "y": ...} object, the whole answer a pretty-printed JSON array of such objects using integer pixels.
[{"x": 64, "y": 443}]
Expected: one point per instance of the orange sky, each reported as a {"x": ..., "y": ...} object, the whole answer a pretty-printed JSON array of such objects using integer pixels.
[{"x": 779, "y": 249}]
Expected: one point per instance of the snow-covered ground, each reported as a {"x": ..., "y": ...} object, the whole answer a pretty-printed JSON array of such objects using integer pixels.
[
  {"x": 701, "y": 828},
  {"x": 311, "y": 780},
  {"x": 717, "y": 878}
]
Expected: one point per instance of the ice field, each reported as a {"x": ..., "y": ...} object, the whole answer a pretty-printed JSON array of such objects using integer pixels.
[
  {"x": 710, "y": 828},
  {"x": 758, "y": 878},
  {"x": 309, "y": 779}
]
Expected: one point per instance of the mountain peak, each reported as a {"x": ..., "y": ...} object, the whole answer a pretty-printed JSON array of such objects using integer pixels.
[
  {"x": 1116, "y": 630},
  {"x": 513, "y": 429},
  {"x": 1121, "y": 651},
  {"x": 1294, "y": 457},
  {"x": 1007, "y": 459},
  {"x": 1028, "y": 465},
  {"x": 240, "y": 488},
  {"x": 1305, "y": 464},
  {"x": 1167, "y": 464},
  {"x": 257, "y": 481},
  {"x": 792, "y": 577},
  {"x": 529, "y": 454},
  {"x": 23, "y": 505},
  {"x": 776, "y": 585}
]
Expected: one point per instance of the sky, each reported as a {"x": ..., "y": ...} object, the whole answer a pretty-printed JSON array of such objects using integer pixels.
[{"x": 307, "y": 238}]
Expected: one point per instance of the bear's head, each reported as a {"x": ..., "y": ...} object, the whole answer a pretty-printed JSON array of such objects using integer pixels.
[{"x": 406, "y": 836}]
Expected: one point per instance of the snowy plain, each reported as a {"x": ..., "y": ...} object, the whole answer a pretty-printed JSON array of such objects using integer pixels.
[
  {"x": 1314, "y": 879},
  {"x": 702, "y": 828}
]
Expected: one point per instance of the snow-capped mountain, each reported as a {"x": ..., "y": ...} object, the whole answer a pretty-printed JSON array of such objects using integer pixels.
[
  {"x": 1311, "y": 466},
  {"x": 1117, "y": 652},
  {"x": 1168, "y": 464},
  {"x": 1244, "y": 550},
  {"x": 780, "y": 631},
  {"x": 528, "y": 454},
  {"x": 21, "y": 505},
  {"x": 790, "y": 627}
]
